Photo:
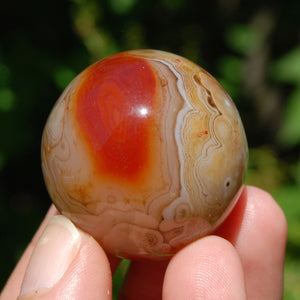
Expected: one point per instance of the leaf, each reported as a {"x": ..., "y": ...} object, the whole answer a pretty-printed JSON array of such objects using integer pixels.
[
  {"x": 287, "y": 68},
  {"x": 122, "y": 6},
  {"x": 289, "y": 133},
  {"x": 244, "y": 39},
  {"x": 232, "y": 68},
  {"x": 63, "y": 76},
  {"x": 7, "y": 100}
]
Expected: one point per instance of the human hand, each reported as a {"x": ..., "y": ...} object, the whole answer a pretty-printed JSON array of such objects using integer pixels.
[{"x": 243, "y": 260}]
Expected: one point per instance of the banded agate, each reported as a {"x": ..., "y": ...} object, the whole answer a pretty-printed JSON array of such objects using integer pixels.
[{"x": 146, "y": 152}]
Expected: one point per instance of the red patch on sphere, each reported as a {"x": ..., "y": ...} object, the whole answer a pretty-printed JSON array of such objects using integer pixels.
[{"x": 114, "y": 110}]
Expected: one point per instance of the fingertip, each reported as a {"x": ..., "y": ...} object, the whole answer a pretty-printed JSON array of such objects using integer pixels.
[
  {"x": 206, "y": 269},
  {"x": 89, "y": 276},
  {"x": 263, "y": 220},
  {"x": 255, "y": 207},
  {"x": 257, "y": 228},
  {"x": 67, "y": 262},
  {"x": 268, "y": 210}
]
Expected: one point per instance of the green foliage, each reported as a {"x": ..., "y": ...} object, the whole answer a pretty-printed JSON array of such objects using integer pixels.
[
  {"x": 265, "y": 169},
  {"x": 292, "y": 279},
  {"x": 289, "y": 133},
  {"x": 119, "y": 276},
  {"x": 63, "y": 76},
  {"x": 287, "y": 67},
  {"x": 232, "y": 68},
  {"x": 244, "y": 38},
  {"x": 173, "y": 5},
  {"x": 232, "y": 74},
  {"x": 121, "y": 6},
  {"x": 287, "y": 196},
  {"x": 7, "y": 100}
]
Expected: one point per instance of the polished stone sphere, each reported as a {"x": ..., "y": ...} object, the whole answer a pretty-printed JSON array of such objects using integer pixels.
[{"x": 145, "y": 151}]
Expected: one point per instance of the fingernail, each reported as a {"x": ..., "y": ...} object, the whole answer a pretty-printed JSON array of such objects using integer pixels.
[{"x": 51, "y": 257}]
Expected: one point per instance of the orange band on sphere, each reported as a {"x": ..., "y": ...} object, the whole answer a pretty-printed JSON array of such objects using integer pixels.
[{"x": 114, "y": 111}]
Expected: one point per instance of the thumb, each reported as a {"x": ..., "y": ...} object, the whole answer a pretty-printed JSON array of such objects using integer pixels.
[{"x": 66, "y": 264}]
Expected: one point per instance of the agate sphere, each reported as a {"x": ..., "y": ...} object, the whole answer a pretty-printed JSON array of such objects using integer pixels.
[{"x": 145, "y": 151}]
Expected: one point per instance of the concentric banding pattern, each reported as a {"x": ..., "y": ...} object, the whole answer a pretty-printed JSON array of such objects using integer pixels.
[{"x": 146, "y": 151}]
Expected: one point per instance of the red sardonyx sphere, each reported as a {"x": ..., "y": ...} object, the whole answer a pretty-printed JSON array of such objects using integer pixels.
[{"x": 146, "y": 152}]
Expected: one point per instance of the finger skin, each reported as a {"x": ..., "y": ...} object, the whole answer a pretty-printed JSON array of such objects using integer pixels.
[
  {"x": 13, "y": 285},
  {"x": 88, "y": 277},
  {"x": 258, "y": 230},
  {"x": 90, "y": 270},
  {"x": 207, "y": 269}
]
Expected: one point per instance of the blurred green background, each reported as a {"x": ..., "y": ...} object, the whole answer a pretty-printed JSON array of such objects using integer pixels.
[{"x": 251, "y": 47}]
